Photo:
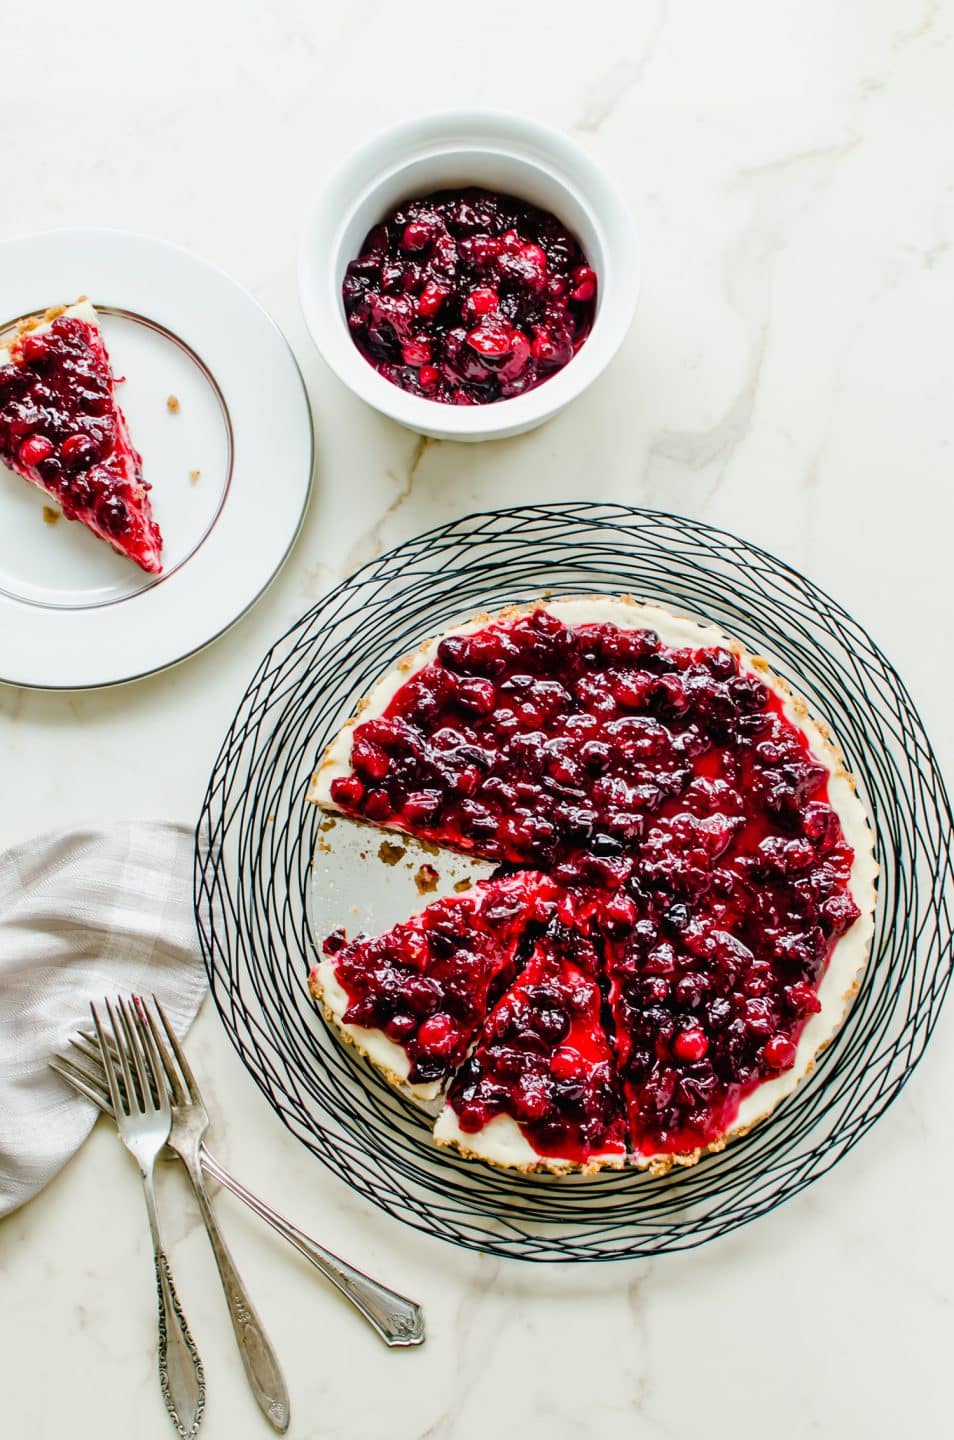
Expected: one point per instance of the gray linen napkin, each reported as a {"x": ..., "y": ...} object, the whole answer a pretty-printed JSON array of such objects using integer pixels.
[{"x": 84, "y": 914}]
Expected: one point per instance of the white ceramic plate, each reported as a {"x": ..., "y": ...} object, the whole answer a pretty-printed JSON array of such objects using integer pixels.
[{"x": 73, "y": 614}]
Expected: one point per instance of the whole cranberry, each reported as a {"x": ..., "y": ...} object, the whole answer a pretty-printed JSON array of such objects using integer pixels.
[
  {"x": 421, "y": 994},
  {"x": 840, "y": 912},
  {"x": 492, "y": 339},
  {"x": 431, "y": 298},
  {"x": 34, "y": 449},
  {"x": 821, "y": 824},
  {"x": 620, "y": 912},
  {"x": 416, "y": 353},
  {"x": 417, "y": 234},
  {"x": 803, "y": 999},
  {"x": 482, "y": 301},
  {"x": 437, "y": 1035},
  {"x": 113, "y": 515},
  {"x": 78, "y": 452},
  {"x": 584, "y": 284},
  {"x": 596, "y": 755},
  {"x": 691, "y": 1044},
  {"x": 531, "y": 1100},
  {"x": 566, "y": 1063},
  {"x": 779, "y": 1052},
  {"x": 476, "y": 696},
  {"x": 378, "y": 805},
  {"x": 368, "y": 759},
  {"x": 35, "y": 349},
  {"x": 347, "y": 790},
  {"x": 401, "y": 1027},
  {"x": 76, "y": 493},
  {"x": 422, "y": 807}
]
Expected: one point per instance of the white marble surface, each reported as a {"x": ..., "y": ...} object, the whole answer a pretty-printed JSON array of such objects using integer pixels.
[{"x": 789, "y": 375}]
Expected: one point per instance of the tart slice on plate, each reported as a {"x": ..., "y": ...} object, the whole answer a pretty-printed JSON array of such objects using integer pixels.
[
  {"x": 540, "y": 1090},
  {"x": 412, "y": 999},
  {"x": 62, "y": 429}
]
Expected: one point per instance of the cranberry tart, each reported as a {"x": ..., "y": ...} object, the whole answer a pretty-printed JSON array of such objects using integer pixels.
[
  {"x": 684, "y": 832},
  {"x": 62, "y": 429}
]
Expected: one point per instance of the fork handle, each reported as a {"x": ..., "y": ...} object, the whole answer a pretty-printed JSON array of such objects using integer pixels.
[
  {"x": 258, "y": 1357},
  {"x": 181, "y": 1377},
  {"x": 398, "y": 1320}
]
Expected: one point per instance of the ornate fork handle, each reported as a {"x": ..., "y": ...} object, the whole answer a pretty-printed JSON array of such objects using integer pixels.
[
  {"x": 258, "y": 1357},
  {"x": 181, "y": 1377},
  {"x": 398, "y": 1320}
]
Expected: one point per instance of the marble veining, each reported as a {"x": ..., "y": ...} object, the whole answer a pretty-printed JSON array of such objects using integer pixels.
[{"x": 789, "y": 376}]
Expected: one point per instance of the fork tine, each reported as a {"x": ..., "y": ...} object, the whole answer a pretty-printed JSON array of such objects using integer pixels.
[
  {"x": 179, "y": 1092},
  {"x": 85, "y": 1045},
  {"x": 131, "y": 1096},
  {"x": 178, "y": 1051},
  {"x": 93, "y": 1076},
  {"x": 152, "y": 1057},
  {"x": 135, "y": 1051},
  {"x": 108, "y": 1065},
  {"x": 78, "y": 1080},
  {"x": 85, "y": 1041},
  {"x": 159, "y": 1082},
  {"x": 89, "y": 1050}
]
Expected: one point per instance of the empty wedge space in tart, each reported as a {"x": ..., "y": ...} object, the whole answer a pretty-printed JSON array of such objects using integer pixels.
[{"x": 684, "y": 899}]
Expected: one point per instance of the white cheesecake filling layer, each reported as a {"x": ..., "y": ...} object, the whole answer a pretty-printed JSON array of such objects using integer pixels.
[
  {"x": 384, "y": 1052},
  {"x": 502, "y": 1142}
]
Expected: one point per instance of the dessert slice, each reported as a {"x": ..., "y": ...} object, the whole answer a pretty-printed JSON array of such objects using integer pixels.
[
  {"x": 412, "y": 999},
  {"x": 540, "y": 1090},
  {"x": 62, "y": 429}
]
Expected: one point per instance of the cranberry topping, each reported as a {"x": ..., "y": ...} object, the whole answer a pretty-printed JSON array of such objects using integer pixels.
[
  {"x": 469, "y": 297},
  {"x": 60, "y": 427},
  {"x": 684, "y": 826},
  {"x": 428, "y": 983},
  {"x": 544, "y": 1059}
]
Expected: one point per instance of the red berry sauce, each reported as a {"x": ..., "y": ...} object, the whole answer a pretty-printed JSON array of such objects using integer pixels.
[
  {"x": 545, "y": 1060},
  {"x": 469, "y": 297},
  {"x": 60, "y": 427},
  {"x": 668, "y": 785},
  {"x": 428, "y": 983}
]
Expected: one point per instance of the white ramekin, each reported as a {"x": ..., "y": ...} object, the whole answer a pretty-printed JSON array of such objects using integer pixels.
[{"x": 497, "y": 151}]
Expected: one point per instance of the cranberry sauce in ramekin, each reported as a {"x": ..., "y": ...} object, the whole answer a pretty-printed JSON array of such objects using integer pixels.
[{"x": 469, "y": 297}]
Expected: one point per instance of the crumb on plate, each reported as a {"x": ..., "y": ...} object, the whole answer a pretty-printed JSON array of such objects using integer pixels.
[{"x": 426, "y": 879}]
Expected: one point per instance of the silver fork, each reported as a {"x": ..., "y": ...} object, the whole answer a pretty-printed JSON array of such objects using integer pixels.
[
  {"x": 185, "y": 1138},
  {"x": 396, "y": 1319},
  {"x": 143, "y": 1117}
]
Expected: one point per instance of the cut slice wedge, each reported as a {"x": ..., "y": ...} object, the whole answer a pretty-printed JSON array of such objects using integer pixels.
[
  {"x": 61, "y": 429},
  {"x": 412, "y": 999},
  {"x": 540, "y": 1091}
]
